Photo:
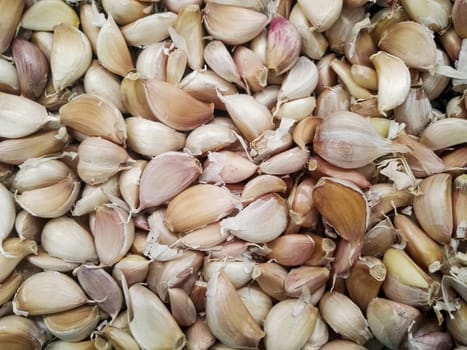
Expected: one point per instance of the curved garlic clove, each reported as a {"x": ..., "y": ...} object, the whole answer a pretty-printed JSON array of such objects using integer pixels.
[
  {"x": 9, "y": 286},
  {"x": 14, "y": 250},
  {"x": 291, "y": 249},
  {"x": 204, "y": 238},
  {"x": 415, "y": 111},
  {"x": 165, "y": 176},
  {"x": 459, "y": 204},
  {"x": 305, "y": 130},
  {"x": 176, "y": 66},
  {"x": 230, "y": 321},
  {"x": 149, "y": 29},
  {"x": 125, "y": 11},
  {"x": 271, "y": 279},
  {"x": 152, "y": 61},
  {"x": 323, "y": 252},
  {"x": 209, "y": 137},
  {"x": 70, "y": 41},
  {"x": 308, "y": 279},
  {"x": 445, "y": 133},
  {"x": 364, "y": 76},
  {"x": 182, "y": 307},
  {"x": 48, "y": 263},
  {"x": 100, "y": 286},
  {"x": 322, "y": 14},
  {"x": 112, "y": 51},
  {"x": 48, "y": 14},
  {"x": 73, "y": 325},
  {"x": 268, "y": 96},
  {"x": 296, "y": 110},
  {"x": 113, "y": 234},
  {"x": 134, "y": 98},
  {"x": 301, "y": 80},
  {"x": 133, "y": 267},
  {"x": 91, "y": 22},
  {"x": 20, "y": 333},
  {"x": 92, "y": 115},
  {"x": 187, "y": 114},
  {"x": 456, "y": 324},
  {"x": 28, "y": 226},
  {"x": 61, "y": 236},
  {"x": 233, "y": 25},
  {"x": 379, "y": 238},
  {"x": 271, "y": 142},
  {"x": 33, "y": 296},
  {"x": 342, "y": 70},
  {"x": 118, "y": 338},
  {"x": 8, "y": 212},
  {"x": 221, "y": 62},
  {"x": 226, "y": 167},
  {"x": 261, "y": 221},
  {"x": 432, "y": 14}
]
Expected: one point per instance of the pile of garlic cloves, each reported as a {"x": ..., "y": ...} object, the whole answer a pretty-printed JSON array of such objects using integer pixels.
[{"x": 233, "y": 174}]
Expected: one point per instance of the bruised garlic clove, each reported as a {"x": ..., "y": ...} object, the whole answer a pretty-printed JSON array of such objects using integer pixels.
[
  {"x": 33, "y": 296},
  {"x": 209, "y": 137},
  {"x": 68, "y": 40},
  {"x": 221, "y": 62},
  {"x": 48, "y": 14},
  {"x": 233, "y": 25},
  {"x": 165, "y": 176},
  {"x": 149, "y": 30},
  {"x": 230, "y": 321},
  {"x": 92, "y": 115},
  {"x": 226, "y": 167},
  {"x": 261, "y": 221}
]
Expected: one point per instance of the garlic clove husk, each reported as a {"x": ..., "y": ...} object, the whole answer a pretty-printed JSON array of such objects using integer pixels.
[
  {"x": 33, "y": 296},
  {"x": 14, "y": 250},
  {"x": 262, "y": 184},
  {"x": 344, "y": 317},
  {"x": 11, "y": 11},
  {"x": 383, "y": 198},
  {"x": 112, "y": 51},
  {"x": 187, "y": 114},
  {"x": 48, "y": 14},
  {"x": 68, "y": 40},
  {"x": 125, "y": 11},
  {"x": 198, "y": 206},
  {"x": 219, "y": 59},
  {"x": 60, "y": 198},
  {"x": 261, "y": 221},
  {"x": 347, "y": 140},
  {"x": 208, "y": 138},
  {"x": 73, "y": 325},
  {"x": 230, "y": 321},
  {"x": 92, "y": 115},
  {"x": 152, "y": 61},
  {"x": 134, "y": 98},
  {"x": 432, "y": 14},
  {"x": 21, "y": 333},
  {"x": 133, "y": 267},
  {"x": 61, "y": 236},
  {"x": 100, "y": 286},
  {"x": 181, "y": 307},
  {"x": 349, "y": 221},
  {"x": 321, "y": 14},
  {"x": 233, "y": 25},
  {"x": 295, "y": 318},
  {"x": 271, "y": 279},
  {"x": 305, "y": 279},
  {"x": 94, "y": 196},
  {"x": 271, "y": 142},
  {"x": 9, "y": 80},
  {"x": 238, "y": 272},
  {"x": 149, "y": 29},
  {"x": 48, "y": 263},
  {"x": 165, "y": 176},
  {"x": 32, "y": 77},
  {"x": 435, "y": 135},
  {"x": 113, "y": 233},
  {"x": 150, "y": 323},
  {"x": 436, "y": 221},
  {"x": 226, "y": 167}
]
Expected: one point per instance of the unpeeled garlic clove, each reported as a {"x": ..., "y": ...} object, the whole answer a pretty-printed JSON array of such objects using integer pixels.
[
  {"x": 456, "y": 324},
  {"x": 261, "y": 221},
  {"x": 100, "y": 286},
  {"x": 111, "y": 49},
  {"x": 305, "y": 279},
  {"x": 63, "y": 345},
  {"x": 417, "y": 101},
  {"x": 221, "y": 62},
  {"x": 152, "y": 61},
  {"x": 125, "y": 11},
  {"x": 94, "y": 196},
  {"x": 323, "y": 252},
  {"x": 230, "y": 322},
  {"x": 321, "y": 14},
  {"x": 149, "y": 29},
  {"x": 48, "y": 14},
  {"x": 118, "y": 338},
  {"x": 133, "y": 267},
  {"x": 271, "y": 279},
  {"x": 34, "y": 295},
  {"x": 250, "y": 68},
  {"x": 181, "y": 307},
  {"x": 60, "y": 198},
  {"x": 199, "y": 205},
  {"x": 68, "y": 40},
  {"x": 298, "y": 109},
  {"x": 8, "y": 212},
  {"x": 165, "y": 176},
  {"x": 73, "y": 325},
  {"x": 92, "y": 115},
  {"x": 291, "y": 249},
  {"x": 9, "y": 286},
  {"x": 233, "y": 25},
  {"x": 289, "y": 161},
  {"x": 14, "y": 250},
  {"x": 459, "y": 203},
  {"x": 226, "y": 167},
  {"x": 347, "y": 254},
  {"x": 435, "y": 135},
  {"x": 32, "y": 68},
  {"x": 99, "y": 160},
  {"x": 150, "y": 323},
  {"x": 199, "y": 336},
  {"x": 301, "y": 80},
  {"x": 209, "y": 137},
  {"x": 256, "y": 301},
  {"x": 332, "y": 99},
  {"x": 48, "y": 263},
  {"x": 379, "y": 238},
  {"x": 61, "y": 236},
  {"x": 459, "y": 10},
  {"x": 113, "y": 233},
  {"x": 11, "y": 15},
  {"x": 238, "y": 272},
  {"x": 342, "y": 70},
  {"x": 128, "y": 183},
  {"x": 187, "y": 114},
  {"x": 91, "y": 22},
  {"x": 9, "y": 81},
  {"x": 20, "y": 333},
  {"x": 383, "y": 198},
  {"x": 134, "y": 98},
  {"x": 262, "y": 184}
]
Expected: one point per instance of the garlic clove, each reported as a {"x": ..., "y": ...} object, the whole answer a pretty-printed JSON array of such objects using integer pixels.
[
  {"x": 233, "y": 25},
  {"x": 165, "y": 176},
  {"x": 364, "y": 76},
  {"x": 301, "y": 80},
  {"x": 45, "y": 262},
  {"x": 226, "y": 167},
  {"x": 332, "y": 99},
  {"x": 432, "y": 14},
  {"x": 459, "y": 10},
  {"x": 343, "y": 71},
  {"x": 91, "y": 22},
  {"x": 238, "y": 272},
  {"x": 379, "y": 238},
  {"x": 261, "y": 185},
  {"x": 296, "y": 110},
  {"x": 271, "y": 142},
  {"x": 14, "y": 251},
  {"x": 250, "y": 68},
  {"x": 149, "y": 29},
  {"x": 152, "y": 61},
  {"x": 20, "y": 333},
  {"x": 176, "y": 66},
  {"x": 11, "y": 16},
  {"x": 134, "y": 98},
  {"x": 291, "y": 249},
  {"x": 133, "y": 267},
  {"x": 219, "y": 59},
  {"x": 119, "y": 338},
  {"x": 8, "y": 212},
  {"x": 33, "y": 296},
  {"x": 209, "y": 137},
  {"x": 322, "y": 14},
  {"x": 68, "y": 40},
  {"x": 181, "y": 307},
  {"x": 271, "y": 279},
  {"x": 305, "y": 279},
  {"x": 456, "y": 324},
  {"x": 9, "y": 286},
  {"x": 204, "y": 238},
  {"x": 435, "y": 135},
  {"x": 323, "y": 252},
  {"x": 305, "y": 130},
  {"x": 9, "y": 80},
  {"x": 256, "y": 301},
  {"x": 28, "y": 226},
  {"x": 459, "y": 204},
  {"x": 94, "y": 196},
  {"x": 128, "y": 184},
  {"x": 63, "y": 345},
  {"x": 48, "y": 14},
  {"x": 418, "y": 101},
  {"x": 125, "y": 11}
]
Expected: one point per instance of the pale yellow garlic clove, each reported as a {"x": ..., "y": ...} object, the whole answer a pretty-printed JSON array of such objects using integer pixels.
[
  {"x": 125, "y": 11},
  {"x": 61, "y": 236},
  {"x": 20, "y": 116},
  {"x": 251, "y": 68},
  {"x": 133, "y": 267},
  {"x": 99, "y": 160},
  {"x": 432, "y": 14},
  {"x": 226, "y": 167},
  {"x": 100, "y": 286},
  {"x": 230, "y": 322},
  {"x": 187, "y": 34},
  {"x": 91, "y": 22},
  {"x": 165, "y": 176},
  {"x": 94, "y": 196},
  {"x": 14, "y": 250},
  {"x": 32, "y": 77},
  {"x": 34, "y": 295},
  {"x": 199, "y": 205},
  {"x": 68, "y": 40},
  {"x": 113, "y": 233},
  {"x": 262, "y": 184},
  {"x": 176, "y": 66},
  {"x": 221, "y": 62},
  {"x": 238, "y": 272},
  {"x": 151, "y": 324},
  {"x": 261, "y": 221},
  {"x": 181, "y": 307},
  {"x": 73, "y": 325},
  {"x": 60, "y": 198},
  {"x": 289, "y": 324},
  {"x": 128, "y": 184},
  {"x": 444, "y": 133},
  {"x": 187, "y": 114},
  {"x": 364, "y": 76},
  {"x": 45, "y": 262},
  {"x": 9, "y": 286},
  {"x": 11, "y": 11},
  {"x": 39, "y": 172},
  {"x": 99, "y": 81},
  {"x": 233, "y": 25},
  {"x": 112, "y": 51},
  {"x": 21, "y": 333},
  {"x": 134, "y": 98},
  {"x": 45, "y": 15},
  {"x": 149, "y": 29},
  {"x": 9, "y": 81},
  {"x": 209, "y": 137},
  {"x": 152, "y": 61},
  {"x": 322, "y": 14},
  {"x": 199, "y": 336}
]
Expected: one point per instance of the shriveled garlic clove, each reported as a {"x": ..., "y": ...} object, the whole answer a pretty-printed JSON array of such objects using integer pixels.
[
  {"x": 48, "y": 14},
  {"x": 221, "y": 62},
  {"x": 322, "y": 14},
  {"x": 165, "y": 176},
  {"x": 209, "y": 137},
  {"x": 33, "y": 296},
  {"x": 226, "y": 167},
  {"x": 149, "y": 30},
  {"x": 230, "y": 321}
]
